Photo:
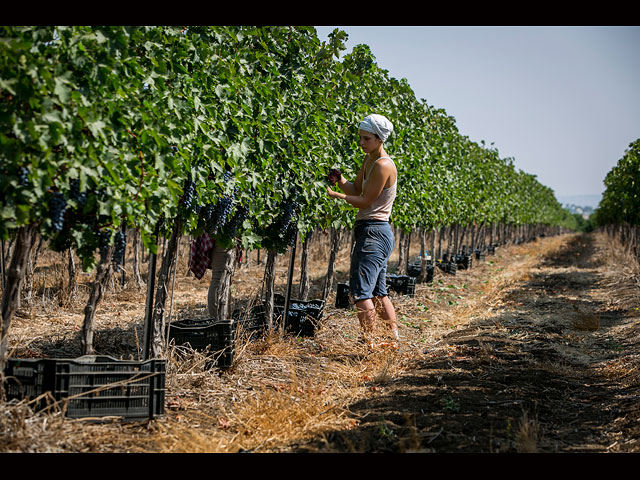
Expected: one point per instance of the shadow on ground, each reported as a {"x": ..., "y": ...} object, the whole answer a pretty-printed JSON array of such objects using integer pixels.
[{"x": 523, "y": 380}]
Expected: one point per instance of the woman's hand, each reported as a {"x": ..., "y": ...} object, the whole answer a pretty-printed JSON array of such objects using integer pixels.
[{"x": 335, "y": 194}]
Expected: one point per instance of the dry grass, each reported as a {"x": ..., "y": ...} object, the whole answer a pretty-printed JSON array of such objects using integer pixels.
[
  {"x": 281, "y": 390},
  {"x": 623, "y": 274},
  {"x": 624, "y": 370},
  {"x": 527, "y": 434}
]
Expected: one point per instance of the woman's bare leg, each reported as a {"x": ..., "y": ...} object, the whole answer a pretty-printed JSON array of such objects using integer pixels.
[
  {"x": 366, "y": 315},
  {"x": 388, "y": 313}
]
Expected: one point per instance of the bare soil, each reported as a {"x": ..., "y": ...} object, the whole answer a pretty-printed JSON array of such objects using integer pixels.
[
  {"x": 549, "y": 365},
  {"x": 535, "y": 349}
]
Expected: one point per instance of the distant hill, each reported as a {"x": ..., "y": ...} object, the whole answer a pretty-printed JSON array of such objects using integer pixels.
[{"x": 580, "y": 200}]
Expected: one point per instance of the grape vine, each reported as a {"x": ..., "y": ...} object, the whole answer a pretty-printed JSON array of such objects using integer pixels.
[
  {"x": 267, "y": 103},
  {"x": 106, "y": 128}
]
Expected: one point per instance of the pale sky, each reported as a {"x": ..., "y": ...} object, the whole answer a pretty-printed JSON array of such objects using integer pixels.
[{"x": 563, "y": 102}]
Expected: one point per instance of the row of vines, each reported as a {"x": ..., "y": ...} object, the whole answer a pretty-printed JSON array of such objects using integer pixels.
[
  {"x": 619, "y": 210},
  {"x": 227, "y": 131}
]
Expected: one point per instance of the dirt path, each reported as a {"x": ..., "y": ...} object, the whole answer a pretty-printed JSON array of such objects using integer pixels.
[{"x": 551, "y": 365}]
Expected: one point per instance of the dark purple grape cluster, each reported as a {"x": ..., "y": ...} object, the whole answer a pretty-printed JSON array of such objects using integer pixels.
[
  {"x": 286, "y": 226},
  {"x": 75, "y": 193},
  {"x": 232, "y": 226},
  {"x": 57, "y": 207},
  {"x": 333, "y": 176},
  {"x": 196, "y": 203},
  {"x": 104, "y": 236},
  {"x": 217, "y": 215},
  {"x": 189, "y": 194},
  {"x": 221, "y": 213},
  {"x": 23, "y": 177},
  {"x": 289, "y": 215},
  {"x": 291, "y": 235},
  {"x": 207, "y": 211},
  {"x": 119, "y": 247}
]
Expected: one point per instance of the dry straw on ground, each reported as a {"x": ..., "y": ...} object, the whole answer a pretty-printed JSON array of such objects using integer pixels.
[{"x": 281, "y": 390}]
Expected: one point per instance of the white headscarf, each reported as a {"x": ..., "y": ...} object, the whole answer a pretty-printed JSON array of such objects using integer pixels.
[{"x": 378, "y": 124}]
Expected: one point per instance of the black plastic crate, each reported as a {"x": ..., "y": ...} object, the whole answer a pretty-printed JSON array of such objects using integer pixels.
[
  {"x": 253, "y": 322},
  {"x": 302, "y": 317},
  {"x": 316, "y": 306},
  {"x": 302, "y": 322},
  {"x": 216, "y": 335},
  {"x": 429, "y": 276},
  {"x": 402, "y": 284},
  {"x": 91, "y": 386},
  {"x": 452, "y": 268},
  {"x": 464, "y": 261},
  {"x": 449, "y": 267},
  {"x": 279, "y": 300},
  {"x": 415, "y": 269},
  {"x": 342, "y": 296},
  {"x": 480, "y": 255}
]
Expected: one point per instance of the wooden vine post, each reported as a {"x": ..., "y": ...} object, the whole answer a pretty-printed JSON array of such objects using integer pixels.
[
  {"x": 269, "y": 286},
  {"x": 304, "y": 269},
  {"x": 222, "y": 271},
  {"x": 157, "y": 324},
  {"x": 24, "y": 242},
  {"x": 102, "y": 276},
  {"x": 333, "y": 253}
]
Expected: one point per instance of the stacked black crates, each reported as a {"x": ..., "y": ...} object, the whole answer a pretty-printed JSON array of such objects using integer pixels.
[
  {"x": 342, "y": 296},
  {"x": 415, "y": 269},
  {"x": 402, "y": 284},
  {"x": 218, "y": 336},
  {"x": 429, "y": 277},
  {"x": 448, "y": 265},
  {"x": 452, "y": 267},
  {"x": 91, "y": 386},
  {"x": 464, "y": 261}
]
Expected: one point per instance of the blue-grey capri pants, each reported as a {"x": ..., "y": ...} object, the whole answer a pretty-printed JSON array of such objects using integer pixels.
[{"x": 374, "y": 242}]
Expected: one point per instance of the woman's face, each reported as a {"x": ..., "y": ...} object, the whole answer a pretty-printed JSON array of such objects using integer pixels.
[{"x": 368, "y": 141}]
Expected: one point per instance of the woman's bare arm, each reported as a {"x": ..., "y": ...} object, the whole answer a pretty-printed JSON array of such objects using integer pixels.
[
  {"x": 351, "y": 188},
  {"x": 374, "y": 186}
]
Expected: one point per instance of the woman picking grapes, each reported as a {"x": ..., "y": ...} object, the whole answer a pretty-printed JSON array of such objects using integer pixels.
[{"x": 372, "y": 193}]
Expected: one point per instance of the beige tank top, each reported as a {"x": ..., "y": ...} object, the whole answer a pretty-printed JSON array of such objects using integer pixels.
[{"x": 380, "y": 209}]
